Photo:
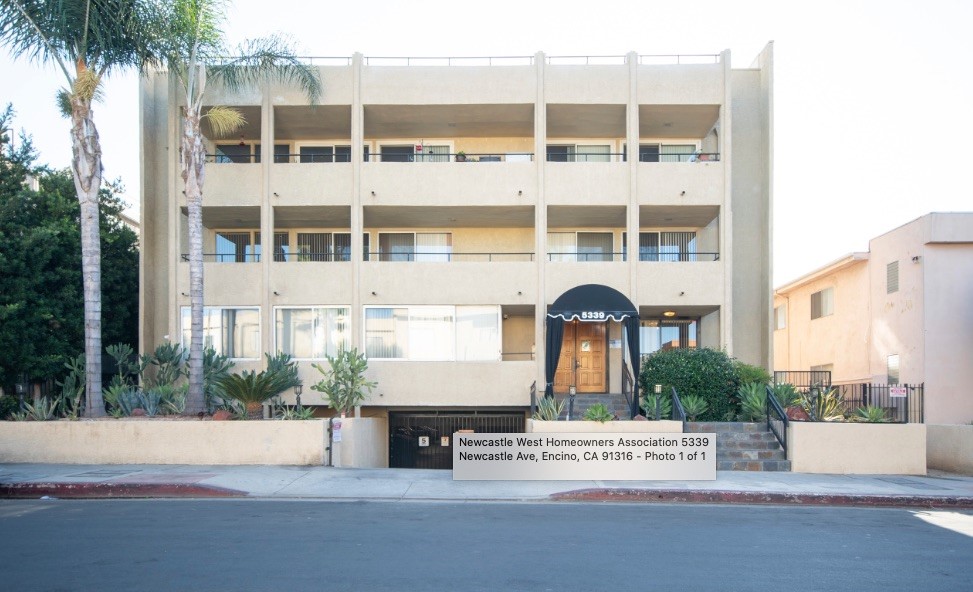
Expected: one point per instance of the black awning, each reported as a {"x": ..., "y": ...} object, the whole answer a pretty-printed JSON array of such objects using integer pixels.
[{"x": 593, "y": 302}]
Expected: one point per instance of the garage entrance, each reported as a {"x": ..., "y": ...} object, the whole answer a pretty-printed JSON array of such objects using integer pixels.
[{"x": 425, "y": 440}]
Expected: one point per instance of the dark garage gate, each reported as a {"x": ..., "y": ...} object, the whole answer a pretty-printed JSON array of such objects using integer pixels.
[{"x": 406, "y": 429}]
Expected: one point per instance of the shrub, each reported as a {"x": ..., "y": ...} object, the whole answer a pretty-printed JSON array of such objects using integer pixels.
[
  {"x": 253, "y": 389},
  {"x": 694, "y": 406},
  {"x": 871, "y": 414},
  {"x": 823, "y": 405},
  {"x": 664, "y": 403},
  {"x": 548, "y": 409},
  {"x": 8, "y": 405},
  {"x": 707, "y": 373},
  {"x": 747, "y": 373},
  {"x": 344, "y": 380},
  {"x": 787, "y": 395}
]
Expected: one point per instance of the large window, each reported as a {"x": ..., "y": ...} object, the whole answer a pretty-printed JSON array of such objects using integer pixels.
[
  {"x": 311, "y": 332},
  {"x": 662, "y": 334},
  {"x": 232, "y": 332},
  {"x": 892, "y": 277},
  {"x": 667, "y": 246},
  {"x": 415, "y": 246},
  {"x": 780, "y": 317},
  {"x": 822, "y": 303},
  {"x": 579, "y": 153},
  {"x": 580, "y": 246},
  {"x": 666, "y": 152},
  {"x": 322, "y": 246},
  {"x": 243, "y": 246},
  {"x": 433, "y": 333}
]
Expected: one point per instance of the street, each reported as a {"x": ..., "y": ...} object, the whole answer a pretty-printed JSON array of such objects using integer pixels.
[{"x": 422, "y": 546}]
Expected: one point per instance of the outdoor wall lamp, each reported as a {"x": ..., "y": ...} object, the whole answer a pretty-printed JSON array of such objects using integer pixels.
[
  {"x": 374, "y": 294},
  {"x": 915, "y": 258},
  {"x": 298, "y": 389},
  {"x": 276, "y": 293},
  {"x": 520, "y": 192},
  {"x": 373, "y": 194},
  {"x": 276, "y": 194},
  {"x": 669, "y": 313},
  {"x": 683, "y": 192}
]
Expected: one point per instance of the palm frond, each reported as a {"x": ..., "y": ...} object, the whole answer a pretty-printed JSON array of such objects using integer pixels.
[
  {"x": 268, "y": 59},
  {"x": 63, "y": 100},
  {"x": 223, "y": 121}
]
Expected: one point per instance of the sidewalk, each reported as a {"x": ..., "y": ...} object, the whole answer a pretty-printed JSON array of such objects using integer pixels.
[{"x": 326, "y": 483}]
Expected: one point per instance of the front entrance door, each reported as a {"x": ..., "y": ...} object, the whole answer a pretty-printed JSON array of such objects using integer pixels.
[{"x": 583, "y": 358}]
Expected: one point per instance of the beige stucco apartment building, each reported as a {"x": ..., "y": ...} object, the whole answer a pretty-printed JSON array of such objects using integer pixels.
[
  {"x": 428, "y": 212},
  {"x": 899, "y": 313}
]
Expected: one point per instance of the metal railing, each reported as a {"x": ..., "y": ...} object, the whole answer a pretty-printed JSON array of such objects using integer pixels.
[
  {"x": 678, "y": 411},
  {"x": 803, "y": 379},
  {"x": 629, "y": 389},
  {"x": 227, "y": 257},
  {"x": 233, "y": 158},
  {"x": 905, "y": 405},
  {"x": 439, "y": 257},
  {"x": 679, "y": 59},
  {"x": 311, "y": 257},
  {"x": 679, "y": 257},
  {"x": 574, "y": 256},
  {"x": 777, "y": 420},
  {"x": 450, "y": 61},
  {"x": 453, "y": 157},
  {"x": 643, "y": 59},
  {"x": 680, "y": 157},
  {"x": 586, "y": 157}
]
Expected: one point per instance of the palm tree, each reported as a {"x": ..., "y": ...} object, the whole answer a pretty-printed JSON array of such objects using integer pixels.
[
  {"x": 194, "y": 54},
  {"x": 85, "y": 39}
]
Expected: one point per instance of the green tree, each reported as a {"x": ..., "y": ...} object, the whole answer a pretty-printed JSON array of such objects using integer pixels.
[
  {"x": 85, "y": 40},
  {"x": 195, "y": 51},
  {"x": 41, "y": 289}
]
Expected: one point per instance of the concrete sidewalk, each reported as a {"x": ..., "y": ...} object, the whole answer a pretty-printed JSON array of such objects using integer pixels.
[{"x": 326, "y": 483}]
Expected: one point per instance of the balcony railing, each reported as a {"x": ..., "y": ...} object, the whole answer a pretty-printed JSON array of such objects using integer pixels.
[
  {"x": 586, "y": 157},
  {"x": 454, "y": 157},
  {"x": 438, "y": 257},
  {"x": 311, "y": 257},
  {"x": 227, "y": 257},
  {"x": 679, "y": 257},
  {"x": 585, "y": 257}
]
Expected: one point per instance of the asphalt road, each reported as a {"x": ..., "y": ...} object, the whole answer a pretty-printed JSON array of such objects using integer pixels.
[{"x": 243, "y": 545}]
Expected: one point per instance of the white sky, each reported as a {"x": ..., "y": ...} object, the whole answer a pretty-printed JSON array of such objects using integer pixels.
[{"x": 871, "y": 96}]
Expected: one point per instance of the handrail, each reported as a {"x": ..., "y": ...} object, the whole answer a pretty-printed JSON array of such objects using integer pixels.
[
  {"x": 775, "y": 409},
  {"x": 627, "y": 388},
  {"x": 576, "y": 256},
  {"x": 678, "y": 411},
  {"x": 533, "y": 398},
  {"x": 686, "y": 257},
  {"x": 447, "y": 157},
  {"x": 227, "y": 257}
]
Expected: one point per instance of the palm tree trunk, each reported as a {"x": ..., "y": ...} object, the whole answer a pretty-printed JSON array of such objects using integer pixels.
[
  {"x": 86, "y": 170},
  {"x": 193, "y": 173}
]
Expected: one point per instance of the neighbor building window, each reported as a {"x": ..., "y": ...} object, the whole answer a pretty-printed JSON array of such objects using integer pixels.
[
  {"x": 892, "y": 277},
  {"x": 232, "y": 332},
  {"x": 433, "y": 333},
  {"x": 311, "y": 333},
  {"x": 893, "y": 369},
  {"x": 780, "y": 317},
  {"x": 822, "y": 303}
]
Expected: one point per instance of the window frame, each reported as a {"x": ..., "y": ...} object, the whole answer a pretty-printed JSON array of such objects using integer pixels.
[
  {"x": 453, "y": 357},
  {"x": 347, "y": 331},
  {"x": 183, "y": 329},
  {"x": 820, "y": 308}
]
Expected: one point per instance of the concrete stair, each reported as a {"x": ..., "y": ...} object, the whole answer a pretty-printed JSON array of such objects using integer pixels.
[
  {"x": 743, "y": 446},
  {"x": 616, "y": 403}
]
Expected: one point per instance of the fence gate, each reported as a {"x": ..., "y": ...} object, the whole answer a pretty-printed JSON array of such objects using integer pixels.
[{"x": 425, "y": 440}]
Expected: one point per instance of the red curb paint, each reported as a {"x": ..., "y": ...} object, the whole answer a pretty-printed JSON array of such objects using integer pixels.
[
  {"x": 114, "y": 490},
  {"x": 751, "y": 497}
]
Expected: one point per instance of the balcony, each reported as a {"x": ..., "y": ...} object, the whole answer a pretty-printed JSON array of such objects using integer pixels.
[{"x": 225, "y": 283}]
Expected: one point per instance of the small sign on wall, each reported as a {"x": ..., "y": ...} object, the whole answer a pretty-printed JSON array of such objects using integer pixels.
[
  {"x": 615, "y": 343},
  {"x": 423, "y": 440},
  {"x": 897, "y": 391},
  {"x": 336, "y": 429}
]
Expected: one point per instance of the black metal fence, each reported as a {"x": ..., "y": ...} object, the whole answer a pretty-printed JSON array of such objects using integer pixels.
[
  {"x": 903, "y": 403},
  {"x": 803, "y": 379},
  {"x": 424, "y": 440}
]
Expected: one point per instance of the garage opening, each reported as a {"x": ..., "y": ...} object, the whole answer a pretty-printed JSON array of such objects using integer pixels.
[{"x": 425, "y": 440}]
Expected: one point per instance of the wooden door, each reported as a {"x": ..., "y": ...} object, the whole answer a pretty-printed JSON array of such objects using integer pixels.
[
  {"x": 592, "y": 357},
  {"x": 583, "y": 358}
]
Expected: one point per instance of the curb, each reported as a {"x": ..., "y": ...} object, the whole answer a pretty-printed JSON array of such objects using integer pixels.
[
  {"x": 751, "y": 497},
  {"x": 114, "y": 490}
]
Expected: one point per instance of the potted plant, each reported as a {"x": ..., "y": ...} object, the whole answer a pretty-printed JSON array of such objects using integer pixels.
[{"x": 460, "y": 156}]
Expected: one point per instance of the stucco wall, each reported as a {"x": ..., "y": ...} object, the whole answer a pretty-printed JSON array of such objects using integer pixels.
[
  {"x": 364, "y": 443},
  {"x": 856, "y": 448},
  {"x": 950, "y": 448},
  {"x": 164, "y": 442},
  {"x": 608, "y": 427}
]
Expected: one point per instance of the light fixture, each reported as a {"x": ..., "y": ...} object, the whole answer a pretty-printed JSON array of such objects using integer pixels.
[
  {"x": 374, "y": 294},
  {"x": 915, "y": 258},
  {"x": 669, "y": 313},
  {"x": 373, "y": 194},
  {"x": 242, "y": 141},
  {"x": 520, "y": 192},
  {"x": 276, "y": 293},
  {"x": 683, "y": 192},
  {"x": 276, "y": 194},
  {"x": 519, "y": 293},
  {"x": 658, "y": 389},
  {"x": 184, "y": 294},
  {"x": 298, "y": 389}
]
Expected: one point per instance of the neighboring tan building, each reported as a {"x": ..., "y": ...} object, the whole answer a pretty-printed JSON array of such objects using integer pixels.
[
  {"x": 429, "y": 212},
  {"x": 898, "y": 314}
]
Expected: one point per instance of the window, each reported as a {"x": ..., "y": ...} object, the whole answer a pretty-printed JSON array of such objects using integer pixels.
[
  {"x": 579, "y": 153},
  {"x": 323, "y": 246},
  {"x": 892, "y": 277},
  {"x": 661, "y": 334},
  {"x": 232, "y": 332},
  {"x": 415, "y": 246},
  {"x": 822, "y": 303},
  {"x": 243, "y": 246},
  {"x": 893, "y": 369},
  {"x": 235, "y": 153},
  {"x": 325, "y": 154},
  {"x": 666, "y": 152},
  {"x": 667, "y": 246},
  {"x": 311, "y": 332},
  {"x": 780, "y": 317},
  {"x": 580, "y": 246},
  {"x": 433, "y": 333}
]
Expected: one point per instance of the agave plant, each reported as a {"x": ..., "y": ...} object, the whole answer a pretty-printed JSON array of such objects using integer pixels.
[
  {"x": 787, "y": 395},
  {"x": 664, "y": 403},
  {"x": 548, "y": 409},
  {"x": 694, "y": 406},
  {"x": 753, "y": 401},
  {"x": 823, "y": 405},
  {"x": 253, "y": 389},
  {"x": 871, "y": 414},
  {"x": 598, "y": 412}
]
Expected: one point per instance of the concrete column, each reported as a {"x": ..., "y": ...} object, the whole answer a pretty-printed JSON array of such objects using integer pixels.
[
  {"x": 726, "y": 211},
  {"x": 540, "y": 221},
  {"x": 632, "y": 141},
  {"x": 174, "y": 190},
  {"x": 266, "y": 220},
  {"x": 357, "y": 213}
]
